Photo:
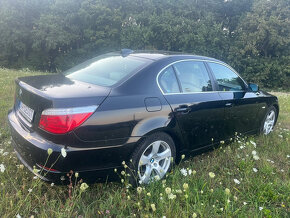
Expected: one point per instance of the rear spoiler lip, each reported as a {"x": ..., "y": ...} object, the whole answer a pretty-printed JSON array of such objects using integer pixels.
[{"x": 32, "y": 89}]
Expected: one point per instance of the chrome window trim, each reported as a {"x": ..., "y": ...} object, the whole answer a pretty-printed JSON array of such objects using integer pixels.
[{"x": 203, "y": 60}]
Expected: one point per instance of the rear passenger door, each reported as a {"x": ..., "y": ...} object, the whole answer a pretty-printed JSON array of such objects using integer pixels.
[{"x": 187, "y": 87}]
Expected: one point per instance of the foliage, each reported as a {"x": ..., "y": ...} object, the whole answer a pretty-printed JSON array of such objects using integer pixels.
[
  {"x": 226, "y": 182},
  {"x": 51, "y": 35}
]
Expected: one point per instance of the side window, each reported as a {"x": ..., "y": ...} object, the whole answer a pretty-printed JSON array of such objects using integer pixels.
[
  {"x": 227, "y": 79},
  {"x": 168, "y": 81},
  {"x": 193, "y": 76}
]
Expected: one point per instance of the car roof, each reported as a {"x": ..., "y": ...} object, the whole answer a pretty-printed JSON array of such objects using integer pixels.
[{"x": 155, "y": 55}]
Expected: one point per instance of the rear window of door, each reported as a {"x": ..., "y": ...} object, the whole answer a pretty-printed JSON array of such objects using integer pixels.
[
  {"x": 227, "y": 79},
  {"x": 193, "y": 76}
]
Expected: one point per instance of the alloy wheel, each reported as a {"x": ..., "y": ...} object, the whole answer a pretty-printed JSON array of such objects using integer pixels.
[
  {"x": 269, "y": 122},
  {"x": 154, "y": 161}
]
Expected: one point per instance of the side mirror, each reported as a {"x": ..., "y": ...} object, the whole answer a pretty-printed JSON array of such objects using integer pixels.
[{"x": 253, "y": 87}]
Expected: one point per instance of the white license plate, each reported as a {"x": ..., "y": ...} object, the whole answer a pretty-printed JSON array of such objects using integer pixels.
[{"x": 26, "y": 111}]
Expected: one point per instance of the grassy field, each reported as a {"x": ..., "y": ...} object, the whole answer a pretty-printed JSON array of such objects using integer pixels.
[{"x": 226, "y": 182}]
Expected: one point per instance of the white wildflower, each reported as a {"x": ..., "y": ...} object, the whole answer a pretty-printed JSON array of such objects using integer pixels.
[
  {"x": 30, "y": 190},
  {"x": 183, "y": 172},
  {"x": 256, "y": 157},
  {"x": 63, "y": 152},
  {"x": 35, "y": 170},
  {"x": 185, "y": 186},
  {"x": 261, "y": 208},
  {"x": 84, "y": 186},
  {"x": 139, "y": 190},
  {"x": 49, "y": 151},
  {"x": 253, "y": 143},
  {"x": 153, "y": 207},
  {"x": 168, "y": 190},
  {"x": 178, "y": 191},
  {"x": 157, "y": 177},
  {"x": 255, "y": 170},
  {"x": 2, "y": 168},
  {"x": 227, "y": 191},
  {"x": 211, "y": 174},
  {"x": 254, "y": 153},
  {"x": 237, "y": 181},
  {"x": 171, "y": 196}
]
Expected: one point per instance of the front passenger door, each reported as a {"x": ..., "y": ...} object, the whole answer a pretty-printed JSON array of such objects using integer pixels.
[{"x": 241, "y": 106}]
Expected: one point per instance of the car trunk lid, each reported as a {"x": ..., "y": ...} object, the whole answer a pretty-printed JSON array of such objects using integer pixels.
[{"x": 37, "y": 93}]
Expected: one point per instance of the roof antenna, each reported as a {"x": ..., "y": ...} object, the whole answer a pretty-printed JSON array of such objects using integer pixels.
[{"x": 125, "y": 52}]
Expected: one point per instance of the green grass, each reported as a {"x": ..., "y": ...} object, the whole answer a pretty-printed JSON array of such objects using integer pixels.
[{"x": 264, "y": 193}]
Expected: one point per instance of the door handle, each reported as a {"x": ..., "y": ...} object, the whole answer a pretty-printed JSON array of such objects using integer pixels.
[
  {"x": 228, "y": 104},
  {"x": 183, "y": 108}
]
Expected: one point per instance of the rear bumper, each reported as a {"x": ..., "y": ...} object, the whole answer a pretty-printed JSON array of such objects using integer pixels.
[{"x": 94, "y": 163}]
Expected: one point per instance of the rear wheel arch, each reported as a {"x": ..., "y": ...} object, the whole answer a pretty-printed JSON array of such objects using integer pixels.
[
  {"x": 142, "y": 145},
  {"x": 179, "y": 145}
]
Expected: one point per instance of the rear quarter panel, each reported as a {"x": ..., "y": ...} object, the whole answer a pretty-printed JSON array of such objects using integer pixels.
[{"x": 124, "y": 113}]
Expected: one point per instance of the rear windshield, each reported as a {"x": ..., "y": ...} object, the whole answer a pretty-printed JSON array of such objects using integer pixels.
[{"x": 105, "y": 70}]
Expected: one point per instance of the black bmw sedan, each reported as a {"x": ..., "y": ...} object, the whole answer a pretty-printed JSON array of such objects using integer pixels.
[{"x": 141, "y": 108}]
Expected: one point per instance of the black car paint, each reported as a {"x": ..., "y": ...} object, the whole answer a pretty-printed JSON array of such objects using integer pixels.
[{"x": 129, "y": 111}]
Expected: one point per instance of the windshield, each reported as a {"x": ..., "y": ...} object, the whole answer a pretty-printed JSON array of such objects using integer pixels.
[{"x": 105, "y": 70}]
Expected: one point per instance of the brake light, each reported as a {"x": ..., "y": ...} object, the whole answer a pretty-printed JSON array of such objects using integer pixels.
[{"x": 63, "y": 120}]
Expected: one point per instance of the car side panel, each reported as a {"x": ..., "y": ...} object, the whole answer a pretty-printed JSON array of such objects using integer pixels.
[
  {"x": 121, "y": 117},
  {"x": 135, "y": 109}
]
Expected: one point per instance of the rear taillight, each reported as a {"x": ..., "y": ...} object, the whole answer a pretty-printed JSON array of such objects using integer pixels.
[{"x": 63, "y": 120}]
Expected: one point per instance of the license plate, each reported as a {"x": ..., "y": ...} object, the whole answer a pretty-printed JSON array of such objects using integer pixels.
[{"x": 26, "y": 111}]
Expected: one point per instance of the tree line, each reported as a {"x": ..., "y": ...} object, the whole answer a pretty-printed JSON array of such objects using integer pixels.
[{"x": 53, "y": 35}]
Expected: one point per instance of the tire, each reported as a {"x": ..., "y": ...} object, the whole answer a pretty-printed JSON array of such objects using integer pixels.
[
  {"x": 152, "y": 159},
  {"x": 269, "y": 121}
]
